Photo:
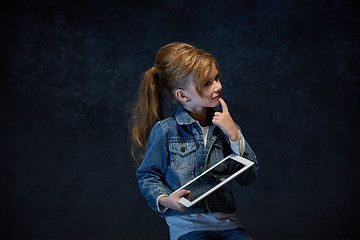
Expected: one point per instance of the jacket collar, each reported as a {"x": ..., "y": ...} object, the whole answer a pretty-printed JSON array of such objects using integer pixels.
[{"x": 182, "y": 116}]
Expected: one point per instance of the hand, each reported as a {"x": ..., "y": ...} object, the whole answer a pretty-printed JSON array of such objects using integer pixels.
[
  {"x": 172, "y": 201},
  {"x": 225, "y": 122}
]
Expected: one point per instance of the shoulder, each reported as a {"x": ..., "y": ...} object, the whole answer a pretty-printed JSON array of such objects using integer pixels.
[
  {"x": 168, "y": 123},
  {"x": 167, "y": 120},
  {"x": 164, "y": 126}
]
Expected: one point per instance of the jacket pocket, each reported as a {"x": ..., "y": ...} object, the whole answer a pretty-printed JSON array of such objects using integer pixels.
[{"x": 182, "y": 156}]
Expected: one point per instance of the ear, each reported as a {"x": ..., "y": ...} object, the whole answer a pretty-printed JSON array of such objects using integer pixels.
[{"x": 181, "y": 95}]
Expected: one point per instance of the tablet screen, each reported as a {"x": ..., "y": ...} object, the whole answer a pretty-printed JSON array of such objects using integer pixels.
[{"x": 213, "y": 177}]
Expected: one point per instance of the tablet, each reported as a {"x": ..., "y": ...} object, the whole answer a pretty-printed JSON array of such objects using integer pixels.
[{"x": 213, "y": 178}]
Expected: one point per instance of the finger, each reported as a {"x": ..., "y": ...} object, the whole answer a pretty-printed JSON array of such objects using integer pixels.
[
  {"x": 215, "y": 122},
  {"x": 223, "y": 105},
  {"x": 183, "y": 192}
]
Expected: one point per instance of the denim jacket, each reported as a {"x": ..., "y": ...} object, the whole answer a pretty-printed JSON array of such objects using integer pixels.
[{"x": 175, "y": 154}]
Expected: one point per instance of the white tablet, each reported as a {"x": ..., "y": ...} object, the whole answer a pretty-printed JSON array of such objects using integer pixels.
[{"x": 213, "y": 178}]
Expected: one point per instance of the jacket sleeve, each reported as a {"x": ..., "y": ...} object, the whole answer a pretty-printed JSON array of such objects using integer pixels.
[
  {"x": 151, "y": 172},
  {"x": 249, "y": 176}
]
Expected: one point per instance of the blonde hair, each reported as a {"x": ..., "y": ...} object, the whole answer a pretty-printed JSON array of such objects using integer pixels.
[{"x": 176, "y": 64}]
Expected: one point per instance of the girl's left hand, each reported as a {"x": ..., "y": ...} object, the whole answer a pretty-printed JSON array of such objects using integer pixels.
[{"x": 225, "y": 122}]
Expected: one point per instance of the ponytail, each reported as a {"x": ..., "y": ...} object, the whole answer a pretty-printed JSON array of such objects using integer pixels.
[{"x": 146, "y": 113}]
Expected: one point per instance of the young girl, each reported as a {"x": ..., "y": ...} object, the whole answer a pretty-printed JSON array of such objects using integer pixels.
[{"x": 177, "y": 149}]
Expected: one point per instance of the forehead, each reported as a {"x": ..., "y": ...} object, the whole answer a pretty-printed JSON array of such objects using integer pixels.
[{"x": 213, "y": 71}]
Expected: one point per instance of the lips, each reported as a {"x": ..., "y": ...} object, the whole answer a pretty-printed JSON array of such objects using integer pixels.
[{"x": 217, "y": 97}]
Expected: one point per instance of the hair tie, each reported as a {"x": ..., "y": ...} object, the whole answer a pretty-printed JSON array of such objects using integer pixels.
[
  {"x": 153, "y": 69},
  {"x": 156, "y": 72}
]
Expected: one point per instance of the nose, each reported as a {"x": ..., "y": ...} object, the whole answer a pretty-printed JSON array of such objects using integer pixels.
[{"x": 218, "y": 87}]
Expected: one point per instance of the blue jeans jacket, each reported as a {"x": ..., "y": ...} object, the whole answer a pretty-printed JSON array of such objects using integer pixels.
[{"x": 175, "y": 154}]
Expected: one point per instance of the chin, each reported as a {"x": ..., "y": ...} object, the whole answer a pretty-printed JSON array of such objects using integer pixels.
[{"x": 217, "y": 103}]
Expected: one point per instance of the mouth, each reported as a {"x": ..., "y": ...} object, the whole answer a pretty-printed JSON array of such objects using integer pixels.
[{"x": 217, "y": 97}]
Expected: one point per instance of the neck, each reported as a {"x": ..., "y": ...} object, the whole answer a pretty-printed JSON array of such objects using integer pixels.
[{"x": 200, "y": 115}]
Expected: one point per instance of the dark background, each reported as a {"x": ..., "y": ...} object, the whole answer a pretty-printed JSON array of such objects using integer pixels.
[{"x": 69, "y": 76}]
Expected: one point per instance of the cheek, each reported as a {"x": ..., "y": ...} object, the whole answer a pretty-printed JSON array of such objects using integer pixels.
[{"x": 207, "y": 94}]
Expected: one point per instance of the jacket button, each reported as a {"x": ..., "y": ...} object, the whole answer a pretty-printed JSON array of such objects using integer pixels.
[
  {"x": 197, "y": 145},
  {"x": 201, "y": 167},
  {"x": 182, "y": 149}
]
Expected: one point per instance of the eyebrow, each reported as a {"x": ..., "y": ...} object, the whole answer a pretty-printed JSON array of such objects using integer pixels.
[
  {"x": 216, "y": 76},
  {"x": 211, "y": 78}
]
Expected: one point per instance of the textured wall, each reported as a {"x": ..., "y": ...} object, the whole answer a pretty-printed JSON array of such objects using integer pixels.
[{"x": 69, "y": 74}]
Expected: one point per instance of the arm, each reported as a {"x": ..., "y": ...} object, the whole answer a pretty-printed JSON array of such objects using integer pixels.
[
  {"x": 242, "y": 148},
  {"x": 249, "y": 176},
  {"x": 151, "y": 174},
  {"x": 237, "y": 142}
]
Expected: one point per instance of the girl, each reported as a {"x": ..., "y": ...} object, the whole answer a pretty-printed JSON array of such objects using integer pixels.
[{"x": 175, "y": 150}]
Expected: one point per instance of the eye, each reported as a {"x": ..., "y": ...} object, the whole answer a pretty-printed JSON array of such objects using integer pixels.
[{"x": 207, "y": 84}]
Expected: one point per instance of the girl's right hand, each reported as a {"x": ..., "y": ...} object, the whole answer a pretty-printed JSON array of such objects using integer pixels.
[{"x": 172, "y": 201}]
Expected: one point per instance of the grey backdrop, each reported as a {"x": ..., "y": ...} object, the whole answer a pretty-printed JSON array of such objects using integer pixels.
[{"x": 69, "y": 75}]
